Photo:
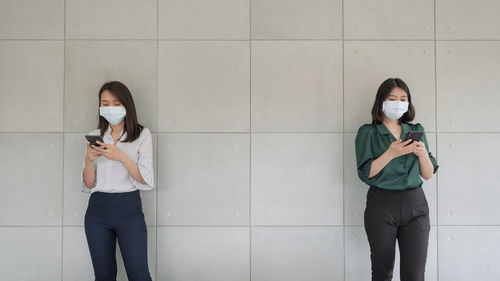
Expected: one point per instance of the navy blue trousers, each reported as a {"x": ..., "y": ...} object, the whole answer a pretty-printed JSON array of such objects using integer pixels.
[{"x": 112, "y": 216}]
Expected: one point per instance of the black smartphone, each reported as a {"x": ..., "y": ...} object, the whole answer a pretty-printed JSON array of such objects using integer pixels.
[
  {"x": 414, "y": 136},
  {"x": 93, "y": 139}
]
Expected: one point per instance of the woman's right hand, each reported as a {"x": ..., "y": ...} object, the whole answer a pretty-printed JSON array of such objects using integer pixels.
[
  {"x": 92, "y": 154},
  {"x": 400, "y": 148}
]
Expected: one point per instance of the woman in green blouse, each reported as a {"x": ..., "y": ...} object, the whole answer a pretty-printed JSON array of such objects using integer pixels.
[{"x": 396, "y": 207}]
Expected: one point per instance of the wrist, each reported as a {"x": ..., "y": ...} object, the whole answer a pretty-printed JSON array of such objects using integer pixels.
[
  {"x": 390, "y": 155},
  {"x": 122, "y": 158},
  {"x": 423, "y": 155},
  {"x": 88, "y": 161}
]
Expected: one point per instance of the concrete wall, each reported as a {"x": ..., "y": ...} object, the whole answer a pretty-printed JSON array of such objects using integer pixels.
[{"x": 254, "y": 106}]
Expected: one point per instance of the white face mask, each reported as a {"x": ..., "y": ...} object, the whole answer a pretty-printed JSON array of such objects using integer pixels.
[
  {"x": 114, "y": 114},
  {"x": 394, "y": 109}
]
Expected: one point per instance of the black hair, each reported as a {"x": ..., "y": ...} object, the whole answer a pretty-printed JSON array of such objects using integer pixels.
[
  {"x": 122, "y": 93},
  {"x": 383, "y": 92}
]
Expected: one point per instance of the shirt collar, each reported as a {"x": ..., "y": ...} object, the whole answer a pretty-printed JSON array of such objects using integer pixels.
[
  {"x": 107, "y": 133},
  {"x": 382, "y": 129},
  {"x": 406, "y": 129}
]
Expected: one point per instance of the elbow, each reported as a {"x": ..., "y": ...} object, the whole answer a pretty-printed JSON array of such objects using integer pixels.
[
  {"x": 427, "y": 177},
  {"x": 89, "y": 186},
  {"x": 143, "y": 183},
  {"x": 140, "y": 179},
  {"x": 371, "y": 174},
  {"x": 145, "y": 187},
  {"x": 365, "y": 176}
]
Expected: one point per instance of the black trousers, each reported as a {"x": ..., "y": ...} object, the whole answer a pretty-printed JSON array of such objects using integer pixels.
[
  {"x": 111, "y": 217},
  {"x": 401, "y": 215}
]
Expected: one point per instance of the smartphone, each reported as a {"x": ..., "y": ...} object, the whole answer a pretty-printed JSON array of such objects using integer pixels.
[
  {"x": 414, "y": 136},
  {"x": 93, "y": 139}
]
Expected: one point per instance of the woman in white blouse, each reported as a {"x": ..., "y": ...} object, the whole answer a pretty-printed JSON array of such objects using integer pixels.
[{"x": 113, "y": 173}]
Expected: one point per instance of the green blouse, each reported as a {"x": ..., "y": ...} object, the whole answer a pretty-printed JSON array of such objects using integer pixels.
[{"x": 400, "y": 173}]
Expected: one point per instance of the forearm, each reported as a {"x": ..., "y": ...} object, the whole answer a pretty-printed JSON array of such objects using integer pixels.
[
  {"x": 89, "y": 174},
  {"x": 426, "y": 167},
  {"x": 379, "y": 163},
  {"x": 132, "y": 168}
]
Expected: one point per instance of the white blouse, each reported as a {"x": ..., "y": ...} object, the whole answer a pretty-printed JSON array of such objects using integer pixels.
[{"x": 112, "y": 176}]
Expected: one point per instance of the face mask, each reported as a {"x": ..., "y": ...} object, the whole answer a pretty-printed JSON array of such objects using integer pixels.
[
  {"x": 114, "y": 114},
  {"x": 394, "y": 109}
]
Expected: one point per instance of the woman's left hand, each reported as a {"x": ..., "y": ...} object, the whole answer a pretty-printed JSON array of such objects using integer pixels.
[
  {"x": 420, "y": 150},
  {"x": 110, "y": 151}
]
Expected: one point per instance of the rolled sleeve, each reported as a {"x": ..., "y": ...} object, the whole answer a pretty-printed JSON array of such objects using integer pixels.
[
  {"x": 364, "y": 155},
  {"x": 434, "y": 163},
  {"x": 84, "y": 187},
  {"x": 145, "y": 163},
  {"x": 424, "y": 140}
]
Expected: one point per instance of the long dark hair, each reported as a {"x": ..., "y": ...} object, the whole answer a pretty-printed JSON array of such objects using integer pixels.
[
  {"x": 383, "y": 92},
  {"x": 122, "y": 93}
]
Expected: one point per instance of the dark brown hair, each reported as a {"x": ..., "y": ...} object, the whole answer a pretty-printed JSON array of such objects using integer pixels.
[
  {"x": 383, "y": 92},
  {"x": 122, "y": 93}
]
